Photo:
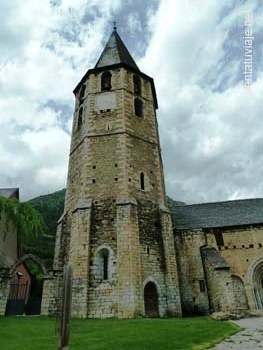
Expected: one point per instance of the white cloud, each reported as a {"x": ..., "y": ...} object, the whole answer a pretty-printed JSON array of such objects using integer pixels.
[
  {"x": 209, "y": 123},
  {"x": 45, "y": 49}
]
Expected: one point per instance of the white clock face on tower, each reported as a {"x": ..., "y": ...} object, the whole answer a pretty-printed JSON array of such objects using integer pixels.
[{"x": 106, "y": 101}]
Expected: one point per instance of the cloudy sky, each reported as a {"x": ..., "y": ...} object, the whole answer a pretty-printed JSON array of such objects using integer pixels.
[{"x": 210, "y": 123}]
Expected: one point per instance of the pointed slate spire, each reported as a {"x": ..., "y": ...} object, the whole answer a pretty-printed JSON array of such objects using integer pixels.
[{"x": 115, "y": 52}]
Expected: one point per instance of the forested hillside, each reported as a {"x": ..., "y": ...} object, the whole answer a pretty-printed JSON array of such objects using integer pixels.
[{"x": 51, "y": 208}]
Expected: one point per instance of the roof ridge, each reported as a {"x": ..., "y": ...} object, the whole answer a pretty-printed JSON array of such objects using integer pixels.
[{"x": 226, "y": 201}]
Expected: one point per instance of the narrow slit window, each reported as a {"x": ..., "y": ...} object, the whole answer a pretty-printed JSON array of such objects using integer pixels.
[
  {"x": 138, "y": 107},
  {"x": 202, "y": 286},
  {"x": 80, "y": 118},
  {"x": 106, "y": 81},
  {"x": 142, "y": 185},
  {"x": 105, "y": 265},
  {"x": 137, "y": 86}
]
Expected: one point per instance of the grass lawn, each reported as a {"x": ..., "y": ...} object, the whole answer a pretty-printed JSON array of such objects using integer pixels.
[{"x": 38, "y": 333}]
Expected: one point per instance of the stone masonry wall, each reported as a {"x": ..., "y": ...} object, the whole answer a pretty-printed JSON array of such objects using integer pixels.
[
  {"x": 239, "y": 293},
  {"x": 52, "y": 294},
  {"x": 62, "y": 242},
  {"x": 191, "y": 271},
  {"x": 242, "y": 247},
  {"x": 79, "y": 258},
  {"x": 129, "y": 263},
  {"x": 112, "y": 148},
  {"x": 4, "y": 292},
  {"x": 153, "y": 263},
  {"x": 172, "y": 281},
  {"x": 220, "y": 289},
  {"x": 243, "y": 250},
  {"x": 158, "y": 256},
  {"x": 102, "y": 295}
]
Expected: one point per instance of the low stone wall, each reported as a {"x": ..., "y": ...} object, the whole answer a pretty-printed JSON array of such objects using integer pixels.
[
  {"x": 52, "y": 294},
  {"x": 4, "y": 291}
]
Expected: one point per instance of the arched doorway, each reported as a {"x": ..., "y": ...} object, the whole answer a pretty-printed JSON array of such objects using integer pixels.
[
  {"x": 239, "y": 293},
  {"x": 258, "y": 285},
  {"x": 26, "y": 286},
  {"x": 151, "y": 300}
]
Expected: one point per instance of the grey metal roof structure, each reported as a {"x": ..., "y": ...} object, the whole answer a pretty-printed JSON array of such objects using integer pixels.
[
  {"x": 115, "y": 52},
  {"x": 218, "y": 214},
  {"x": 9, "y": 192}
]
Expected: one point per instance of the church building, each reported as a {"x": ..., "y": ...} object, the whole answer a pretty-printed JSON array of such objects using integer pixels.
[{"x": 134, "y": 252}]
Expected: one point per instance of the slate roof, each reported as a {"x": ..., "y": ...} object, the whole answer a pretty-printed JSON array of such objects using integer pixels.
[
  {"x": 218, "y": 214},
  {"x": 9, "y": 192},
  {"x": 115, "y": 52},
  {"x": 215, "y": 259}
]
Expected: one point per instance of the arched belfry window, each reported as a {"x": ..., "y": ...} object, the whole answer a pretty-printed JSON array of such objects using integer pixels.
[
  {"x": 106, "y": 81},
  {"x": 142, "y": 184},
  {"x": 80, "y": 118},
  {"x": 138, "y": 107},
  {"x": 82, "y": 93},
  {"x": 137, "y": 85}
]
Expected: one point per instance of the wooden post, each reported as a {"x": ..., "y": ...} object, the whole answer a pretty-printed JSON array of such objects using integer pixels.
[{"x": 66, "y": 309}]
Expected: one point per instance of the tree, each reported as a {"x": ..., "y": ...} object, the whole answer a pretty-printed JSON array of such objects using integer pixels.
[{"x": 20, "y": 216}]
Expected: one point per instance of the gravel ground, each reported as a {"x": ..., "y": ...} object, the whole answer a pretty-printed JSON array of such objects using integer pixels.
[{"x": 251, "y": 338}]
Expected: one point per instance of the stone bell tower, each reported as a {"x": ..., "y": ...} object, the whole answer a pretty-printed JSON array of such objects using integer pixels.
[{"x": 116, "y": 231}]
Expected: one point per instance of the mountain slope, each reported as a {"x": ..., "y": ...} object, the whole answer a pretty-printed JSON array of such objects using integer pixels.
[{"x": 51, "y": 208}]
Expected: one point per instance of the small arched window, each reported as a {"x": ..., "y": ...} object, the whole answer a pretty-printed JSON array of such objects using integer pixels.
[
  {"x": 137, "y": 86},
  {"x": 105, "y": 263},
  {"x": 105, "y": 266},
  {"x": 82, "y": 93},
  {"x": 138, "y": 107},
  {"x": 106, "y": 81},
  {"x": 142, "y": 184},
  {"x": 80, "y": 118}
]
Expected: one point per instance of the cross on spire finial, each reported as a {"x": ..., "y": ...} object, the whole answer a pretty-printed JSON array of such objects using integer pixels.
[{"x": 114, "y": 25}]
